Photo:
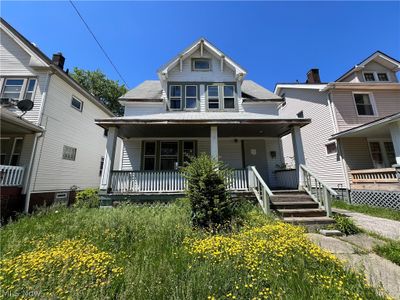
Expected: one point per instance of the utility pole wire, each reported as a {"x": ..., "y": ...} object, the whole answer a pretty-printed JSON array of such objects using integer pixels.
[{"x": 98, "y": 43}]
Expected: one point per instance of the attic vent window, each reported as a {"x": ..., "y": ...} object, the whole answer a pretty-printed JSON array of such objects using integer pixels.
[
  {"x": 383, "y": 77},
  {"x": 201, "y": 64},
  {"x": 369, "y": 76}
]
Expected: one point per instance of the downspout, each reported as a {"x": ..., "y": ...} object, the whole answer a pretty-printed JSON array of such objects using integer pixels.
[{"x": 28, "y": 188}]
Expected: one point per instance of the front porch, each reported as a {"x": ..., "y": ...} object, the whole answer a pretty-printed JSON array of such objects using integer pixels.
[{"x": 372, "y": 156}]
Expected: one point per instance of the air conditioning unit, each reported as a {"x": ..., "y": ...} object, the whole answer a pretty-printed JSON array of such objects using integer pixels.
[{"x": 8, "y": 101}]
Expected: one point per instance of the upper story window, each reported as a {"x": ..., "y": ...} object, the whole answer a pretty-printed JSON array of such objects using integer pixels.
[
  {"x": 191, "y": 96},
  {"x": 221, "y": 96},
  {"x": 383, "y": 77},
  {"x": 369, "y": 77},
  {"x": 77, "y": 104},
  {"x": 69, "y": 153},
  {"x": 19, "y": 88},
  {"x": 229, "y": 97},
  {"x": 175, "y": 96},
  {"x": 364, "y": 104},
  {"x": 374, "y": 76},
  {"x": 201, "y": 64},
  {"x": 213, "y": 96}
]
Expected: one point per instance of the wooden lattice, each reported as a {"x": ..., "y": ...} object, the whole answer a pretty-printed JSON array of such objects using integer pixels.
[{"x": 376, "y": 198}]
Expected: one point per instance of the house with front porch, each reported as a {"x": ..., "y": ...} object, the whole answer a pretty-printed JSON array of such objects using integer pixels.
[
  {"x": 51, "y": 147},
  {"x": 201, "y": 103},
  {"x": 353, "y": 142}
]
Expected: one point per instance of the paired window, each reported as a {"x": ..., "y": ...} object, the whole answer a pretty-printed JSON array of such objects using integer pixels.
[
  {"x": 11, "y": 149},
  {"x": 221, "y": 96},
  {"x": 19, "y": 88},
  {"x": 364, "y": 104},
  {"x": 69, "y": 153},
  {"x": 166, "y": 155},
  {"x": 331, "y": 148},
  {"x": 382, "y": 153},
  {"x": 201, "y": 64},
  {"x": 374, "y": 76},
  {"x": 77, "y": 104},
  {"x": 183, "y": 97}
]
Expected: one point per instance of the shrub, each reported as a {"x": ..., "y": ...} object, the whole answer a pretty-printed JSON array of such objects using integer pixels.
[
  {"x": 88, "y": 198},
  {"x": 210, "y": 201},
  {"x": 345, "y": 225}
]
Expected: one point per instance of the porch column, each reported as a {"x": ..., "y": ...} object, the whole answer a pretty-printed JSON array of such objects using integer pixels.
[
  {"x": 298, "y": 151},
  {"x": 214, "y": 142},
  {"x": 109, "y": 158},
  {"x": 395, "y": 134}
]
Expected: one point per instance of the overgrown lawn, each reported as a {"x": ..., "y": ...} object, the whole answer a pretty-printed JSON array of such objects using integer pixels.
[
  {"x": 152, "y": 252},
  {"x": 380, "y": 212}
]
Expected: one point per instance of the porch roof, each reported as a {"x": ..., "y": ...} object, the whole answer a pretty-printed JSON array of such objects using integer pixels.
[
  {"x": 230, "y": 124},
  {"x": 12, "y": 124},
  {"x": 374, "y": 129}
]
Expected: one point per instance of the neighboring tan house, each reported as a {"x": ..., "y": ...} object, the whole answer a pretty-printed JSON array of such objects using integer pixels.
[
  {"x": 200, "y": 104},
  {"x": 56, "y": 146},
  {"x": 353, "y": 141}
]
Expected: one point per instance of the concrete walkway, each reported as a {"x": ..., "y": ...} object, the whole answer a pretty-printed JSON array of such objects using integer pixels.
[
  {"x": 377, "y": 269},
  {"x": 384, "y": 227}
]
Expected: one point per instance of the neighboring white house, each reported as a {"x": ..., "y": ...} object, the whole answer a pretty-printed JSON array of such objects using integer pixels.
[
  {"x": 201, "y": 103},
  {"x": 353, "y": 141},
  {"x": 54, "y": 147}
]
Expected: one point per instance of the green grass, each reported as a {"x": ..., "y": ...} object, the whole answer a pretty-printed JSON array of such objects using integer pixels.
[
  {"x": 390, "y": 251},
  {"x": 147, "y": 242},
  {"x": 380, "y": 212}
]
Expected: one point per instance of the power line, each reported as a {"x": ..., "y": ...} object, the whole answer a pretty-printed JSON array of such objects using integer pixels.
[{"x": 97, "y": 41}]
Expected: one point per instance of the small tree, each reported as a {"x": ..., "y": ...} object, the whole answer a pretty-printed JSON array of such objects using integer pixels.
[{"x": 210, "y": 201}]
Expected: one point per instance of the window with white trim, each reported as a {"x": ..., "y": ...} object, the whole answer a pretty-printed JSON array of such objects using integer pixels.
[
  {"x": 383, "y": 77},
  {"x": 12, "y": 88},
  {"x": 101, "y": 165},
  {"x": 229, "y": 96},
  {"x": 363, "y": 104},
  {"x": 191, "y": 96},
  {"x": 189, "y": 150},
  {"x": 331, "y": 148},
  {"x": 76, "y": 103},
  {"x": 213, "y": 96},
  {"x": 369, "y": 76},
  {"x": 201, "y": 64},
  {"x": 30, "y": 89},
  {"x": 175, "y": 97},
  {"x": 69, "y": 153}
]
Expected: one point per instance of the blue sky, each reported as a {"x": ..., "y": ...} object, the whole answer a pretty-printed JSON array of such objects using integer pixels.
[{"x": 273, "y": 41}]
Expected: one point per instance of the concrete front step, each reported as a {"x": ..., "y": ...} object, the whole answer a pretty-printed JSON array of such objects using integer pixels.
[
  {"x": 294, "y": 205},
  {"x": 300, "y": 198},
  {"x": 309, "y": 220},
  {"x": 309, "y": 212}
]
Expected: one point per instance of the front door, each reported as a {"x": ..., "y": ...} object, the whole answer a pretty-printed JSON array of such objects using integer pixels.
[{"x": 255, "y": 155}]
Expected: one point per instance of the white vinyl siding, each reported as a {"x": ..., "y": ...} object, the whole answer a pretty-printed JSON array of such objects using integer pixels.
[
  {"x": 315, "y": 135},
  {"x": 77, "y": 130},
  {"x": 214, "y": 75}
]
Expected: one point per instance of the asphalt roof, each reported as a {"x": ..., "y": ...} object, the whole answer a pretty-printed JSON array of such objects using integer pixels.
[{"x": 151, "y": 90}]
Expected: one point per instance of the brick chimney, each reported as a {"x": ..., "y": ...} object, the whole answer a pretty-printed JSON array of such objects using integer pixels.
[
  {"x": 313, "y": 76},
  {"x": 58, "y": 60}
]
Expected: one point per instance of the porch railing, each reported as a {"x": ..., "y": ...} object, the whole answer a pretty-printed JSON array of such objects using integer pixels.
[
  {"x": 11, "y": 175},
  {"x": 317, "y": 189},
  {"x": 165, "y": 181},
  {"x": 385, "y": 175},
  {"x": 260, "y": 189}
]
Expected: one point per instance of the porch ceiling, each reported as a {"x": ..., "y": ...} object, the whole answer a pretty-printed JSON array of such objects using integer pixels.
[
  {"x": 275, "y": 129},
  {"x": 12, "y": 124}
]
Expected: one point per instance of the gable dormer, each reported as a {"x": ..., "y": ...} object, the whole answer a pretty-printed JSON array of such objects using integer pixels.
[{"x": 377, "y": 68}]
